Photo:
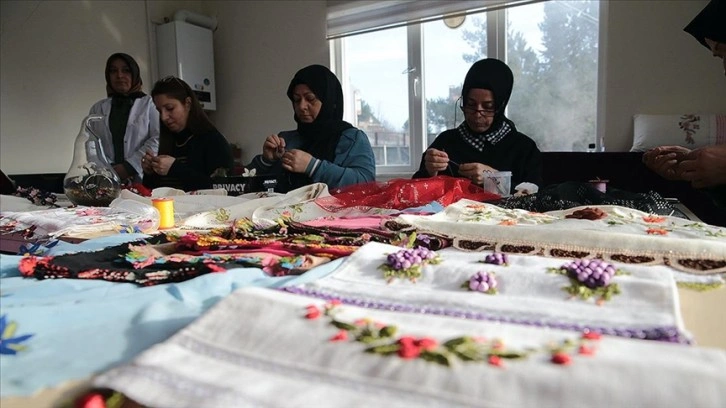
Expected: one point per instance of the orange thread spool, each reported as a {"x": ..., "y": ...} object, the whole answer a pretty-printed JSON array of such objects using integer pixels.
[{"x": 166, "y": 211}]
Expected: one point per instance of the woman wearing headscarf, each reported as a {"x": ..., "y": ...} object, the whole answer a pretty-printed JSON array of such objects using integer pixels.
[
  {"x": 705, "y": 167},
  {"x": 131, "y": 122},
  {"x": 486, "y": 141},
  {"x": 324, "y": 148}
]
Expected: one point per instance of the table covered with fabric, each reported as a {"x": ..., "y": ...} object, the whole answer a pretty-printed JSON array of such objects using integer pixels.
[{"x": 249, "y": 330}]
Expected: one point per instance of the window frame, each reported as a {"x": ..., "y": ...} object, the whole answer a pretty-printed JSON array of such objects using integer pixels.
[{"x": 496, "y": 48}]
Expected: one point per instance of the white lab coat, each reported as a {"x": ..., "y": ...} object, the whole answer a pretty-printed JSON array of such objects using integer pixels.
[{"x": 142, "y": 131}]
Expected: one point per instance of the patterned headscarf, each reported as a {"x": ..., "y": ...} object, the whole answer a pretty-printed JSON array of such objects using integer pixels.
[{"x": 135, "y": 74}]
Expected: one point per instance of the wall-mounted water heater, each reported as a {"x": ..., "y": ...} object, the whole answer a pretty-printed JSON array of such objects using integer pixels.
[{"x": 185, "y": 49}]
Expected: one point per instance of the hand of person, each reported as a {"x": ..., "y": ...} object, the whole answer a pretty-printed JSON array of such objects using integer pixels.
[
  {"x": 161, "y": 164},
  {"x": 664, "y": 160},
  {"x": 120, "y": 169},
  {"x": 435, "y": 161},
  {"x": 704, "y": 167},
  {"x": 296, "y": 161},
  {"x": 146, "y": 162},
  {"x": 475, "y": 171},
  {"x": 273, "y": 148}
]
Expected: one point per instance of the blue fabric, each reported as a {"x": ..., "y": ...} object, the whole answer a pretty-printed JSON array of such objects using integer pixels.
[{"x": 82, "y": 327}]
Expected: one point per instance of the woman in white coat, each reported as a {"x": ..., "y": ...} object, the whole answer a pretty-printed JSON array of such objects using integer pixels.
[{"x": 131, "y": 124}]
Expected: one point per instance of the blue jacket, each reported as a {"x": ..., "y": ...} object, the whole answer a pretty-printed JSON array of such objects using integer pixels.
[{"x": 354, "y": 162}]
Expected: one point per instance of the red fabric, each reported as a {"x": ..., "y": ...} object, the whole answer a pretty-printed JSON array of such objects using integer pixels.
[{"x": 400, "y": 194}]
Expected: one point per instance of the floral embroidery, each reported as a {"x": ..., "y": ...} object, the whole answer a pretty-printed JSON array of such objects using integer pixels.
[
  {"x": 382, "y": 339},
  {"x": 709, "y": 230},
  {"x": 221, "y": 215},
  {"x": 407, "y": 263},
  {"x": 128, "y": 229},
  {"x": 87, "y": 212},
  {"x": 589, "y": 278},
  {"x": 654, "y": 219},
  {"x": 497, "y": 258},
  {"x": 485, "y": 282},
  {"x": 282, "y": 266},
  {"x": 37, "y": 196},
  {"x": 508, "y": 222},
  {"x": 98, "y": 399},
  {"x": 588, "y": 213},
  {"x": 657, "y": 231},
  {"x": 689, "y": 124},
  {"x": 9, "y": 344},
  {"x": 36, "y": 248}
]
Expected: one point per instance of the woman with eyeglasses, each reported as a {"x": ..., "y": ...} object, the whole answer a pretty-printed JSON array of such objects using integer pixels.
[
  {"x": 487, "y": 140},
  {"x": 324, "y": 148},
  {"x": 131, "y": 122},
  {"x": 191, "y": 149}
]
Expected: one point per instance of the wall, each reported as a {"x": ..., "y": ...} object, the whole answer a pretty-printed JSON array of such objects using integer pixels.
[
  {"x": 52, "y": 55},
  {"x": 258, "y": 46},
  {"x": 653, "y": 66}
]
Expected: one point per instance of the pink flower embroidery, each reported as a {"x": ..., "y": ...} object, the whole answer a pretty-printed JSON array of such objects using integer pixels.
[
  {"x": 408, "y": 348},
  {"x": 426, "y": 343},
  {"x": 657, "y": 231},
  {"x": 589, "y": 335},
  {"x": 653, "y": 219},
  {"x": 586, "y": 350},
  {"x": 561, "y": 358},
  {"x": 508, "y": 222},
  {"x": 312, "y": 312},
  {"x": 269, "y": 265},
  {"x": 495, "y": 361},
  {"x": 342, "y": 335}
]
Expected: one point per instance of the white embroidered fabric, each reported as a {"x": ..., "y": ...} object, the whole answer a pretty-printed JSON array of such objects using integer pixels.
[
  {"x": 527, "y": 292},
  {"x": 255, "y": 348},
  {"x": 621, "y": 231}
]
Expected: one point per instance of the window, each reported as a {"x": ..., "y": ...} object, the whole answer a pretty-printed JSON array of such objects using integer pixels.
[{"x": 402, "y": 83}]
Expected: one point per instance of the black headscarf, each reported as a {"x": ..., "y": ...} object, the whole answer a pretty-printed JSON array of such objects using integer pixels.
[
  {"x": 121, "y": 105},
  {"x": 135, "y": 91},
  {"x": 494, "y": 75},
  {"x": 321, "y": 137},
  {"x": 709, "y": 23}
]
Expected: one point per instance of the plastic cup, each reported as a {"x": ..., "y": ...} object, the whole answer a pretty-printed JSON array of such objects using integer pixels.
[{"x": 498, "y": 182}]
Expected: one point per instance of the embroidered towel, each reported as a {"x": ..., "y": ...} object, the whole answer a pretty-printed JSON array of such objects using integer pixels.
[
  {"x": 528, "y": 293},
  {"x": 255, "y": 348},
  {"x": 620, "y": 233}
]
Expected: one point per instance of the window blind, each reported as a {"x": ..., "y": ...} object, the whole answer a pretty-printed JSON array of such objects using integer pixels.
[{"x": 348, "y": 17}]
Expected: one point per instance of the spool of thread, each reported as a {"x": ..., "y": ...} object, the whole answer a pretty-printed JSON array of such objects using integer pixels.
[{"x": 166, "y": 211}]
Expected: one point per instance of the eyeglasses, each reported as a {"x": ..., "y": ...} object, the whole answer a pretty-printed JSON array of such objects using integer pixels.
[{"x": 472, "y": 109}]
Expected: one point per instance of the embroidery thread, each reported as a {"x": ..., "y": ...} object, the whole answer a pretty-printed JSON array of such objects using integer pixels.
[
  {"x": 382, "y": 339},
  {"x": 590, "y": 278},
  {"x": 408, "y": 263}
]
